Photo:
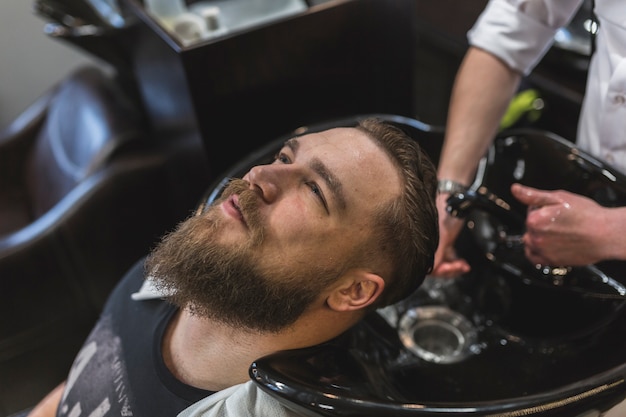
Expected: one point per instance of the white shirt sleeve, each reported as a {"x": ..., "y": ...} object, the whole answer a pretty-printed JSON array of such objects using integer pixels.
[
  {"x": 239, "y": 400},
  {"x": 521, "y": 31}
]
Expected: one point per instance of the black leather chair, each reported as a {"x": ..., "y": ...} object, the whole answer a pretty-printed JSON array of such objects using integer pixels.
[
  {"x": 70, "y": 133},
  {"x": 84, "y": 192}
]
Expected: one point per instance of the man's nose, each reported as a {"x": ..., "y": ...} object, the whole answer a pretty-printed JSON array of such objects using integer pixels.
[{"x": 270, "y": 180}]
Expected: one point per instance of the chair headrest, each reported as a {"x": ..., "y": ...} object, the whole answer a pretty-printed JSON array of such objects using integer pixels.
[{"x": 88, "y": 120}]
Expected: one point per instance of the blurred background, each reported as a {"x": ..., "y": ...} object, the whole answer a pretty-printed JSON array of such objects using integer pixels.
[{"x": 32, "y": 65}]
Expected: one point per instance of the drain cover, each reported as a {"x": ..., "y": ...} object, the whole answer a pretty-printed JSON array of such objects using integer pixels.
[{"x": 437, "y": 334}]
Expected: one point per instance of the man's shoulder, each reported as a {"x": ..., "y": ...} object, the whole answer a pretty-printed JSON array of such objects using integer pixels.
[{"x": 238, "y": 400}]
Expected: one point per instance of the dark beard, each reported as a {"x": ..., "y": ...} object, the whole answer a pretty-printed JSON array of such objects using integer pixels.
[{"x": 226, "y": 282}]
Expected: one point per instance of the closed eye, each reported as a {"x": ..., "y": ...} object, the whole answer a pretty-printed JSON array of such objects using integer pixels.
[{"x": 282, "y": 157}]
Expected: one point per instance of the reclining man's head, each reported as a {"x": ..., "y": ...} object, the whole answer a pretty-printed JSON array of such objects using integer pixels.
[{"x": 343, "y": 221}]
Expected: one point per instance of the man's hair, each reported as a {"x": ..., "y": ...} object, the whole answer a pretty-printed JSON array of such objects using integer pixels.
[{"x": 406, "y": 231}]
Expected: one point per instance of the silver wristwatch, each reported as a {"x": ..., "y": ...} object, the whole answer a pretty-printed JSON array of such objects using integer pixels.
[{"x": 450, "y": 187}]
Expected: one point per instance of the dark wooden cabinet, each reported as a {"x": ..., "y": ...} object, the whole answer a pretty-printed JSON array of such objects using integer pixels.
[{"x": 242, "y": 89}]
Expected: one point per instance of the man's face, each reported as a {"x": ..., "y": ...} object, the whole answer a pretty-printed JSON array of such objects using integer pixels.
[{"x": 275, "y": 241}]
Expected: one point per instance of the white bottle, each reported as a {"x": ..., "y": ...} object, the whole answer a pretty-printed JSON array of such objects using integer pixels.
[{"x": 174, "y": 16}]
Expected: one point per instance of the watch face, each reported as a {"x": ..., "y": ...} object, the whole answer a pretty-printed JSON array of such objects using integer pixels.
[{"x": 450, "y": 186}]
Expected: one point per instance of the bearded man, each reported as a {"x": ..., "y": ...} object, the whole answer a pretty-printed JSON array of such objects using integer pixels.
[{"x": 292, "y": 255}]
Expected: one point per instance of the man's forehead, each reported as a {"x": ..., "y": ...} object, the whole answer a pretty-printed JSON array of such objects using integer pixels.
[
  {"x": 336, "y": 136},
  {"x": 354, "y": 158}
]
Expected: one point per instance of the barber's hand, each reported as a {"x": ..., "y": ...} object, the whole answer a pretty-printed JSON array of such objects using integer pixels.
[
  {"x": 562, "y": 228},
  {"x": 447, "y": 264}
]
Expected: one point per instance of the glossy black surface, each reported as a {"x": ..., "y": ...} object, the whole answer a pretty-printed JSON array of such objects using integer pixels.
[{"x": 516, "y": 366}]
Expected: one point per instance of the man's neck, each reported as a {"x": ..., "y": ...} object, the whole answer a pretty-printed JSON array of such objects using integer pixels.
[
  {"x": 211, "y": 355},
  {"x": 206, "y": 354}
]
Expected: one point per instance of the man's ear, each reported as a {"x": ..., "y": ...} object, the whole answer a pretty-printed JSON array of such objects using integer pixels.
[{"x": 356, "y": 290}]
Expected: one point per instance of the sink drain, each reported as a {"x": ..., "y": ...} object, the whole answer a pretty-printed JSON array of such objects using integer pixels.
[{"x": 437, "y": 334}]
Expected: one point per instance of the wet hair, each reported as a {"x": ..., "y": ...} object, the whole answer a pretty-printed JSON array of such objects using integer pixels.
[{"x": 406, "y": 230}]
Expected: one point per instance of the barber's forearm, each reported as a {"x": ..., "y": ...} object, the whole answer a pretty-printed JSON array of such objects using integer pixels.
[
  {"x": 483, "y": 89},
  {"x": 47, "y": 407},
  {"x": 613, "y": 237}
]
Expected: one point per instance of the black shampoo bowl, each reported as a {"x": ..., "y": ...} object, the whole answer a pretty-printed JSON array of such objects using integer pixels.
[
  {"x": 440, "y": 353},
  {"x": 507, "y": 339}
]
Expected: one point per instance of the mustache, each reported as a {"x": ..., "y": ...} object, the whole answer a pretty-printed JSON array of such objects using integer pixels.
[
  {"x": 232, "y": 186},
  {"x": 235, "y": 186},
  {"x": 248, "y": 197},
  {"x": 248, "y": 203}
]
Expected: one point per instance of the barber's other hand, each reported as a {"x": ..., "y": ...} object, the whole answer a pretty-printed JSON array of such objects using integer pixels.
[
  {"x": 447, "y": 264},
  {"x": 563, "y": 228}
]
